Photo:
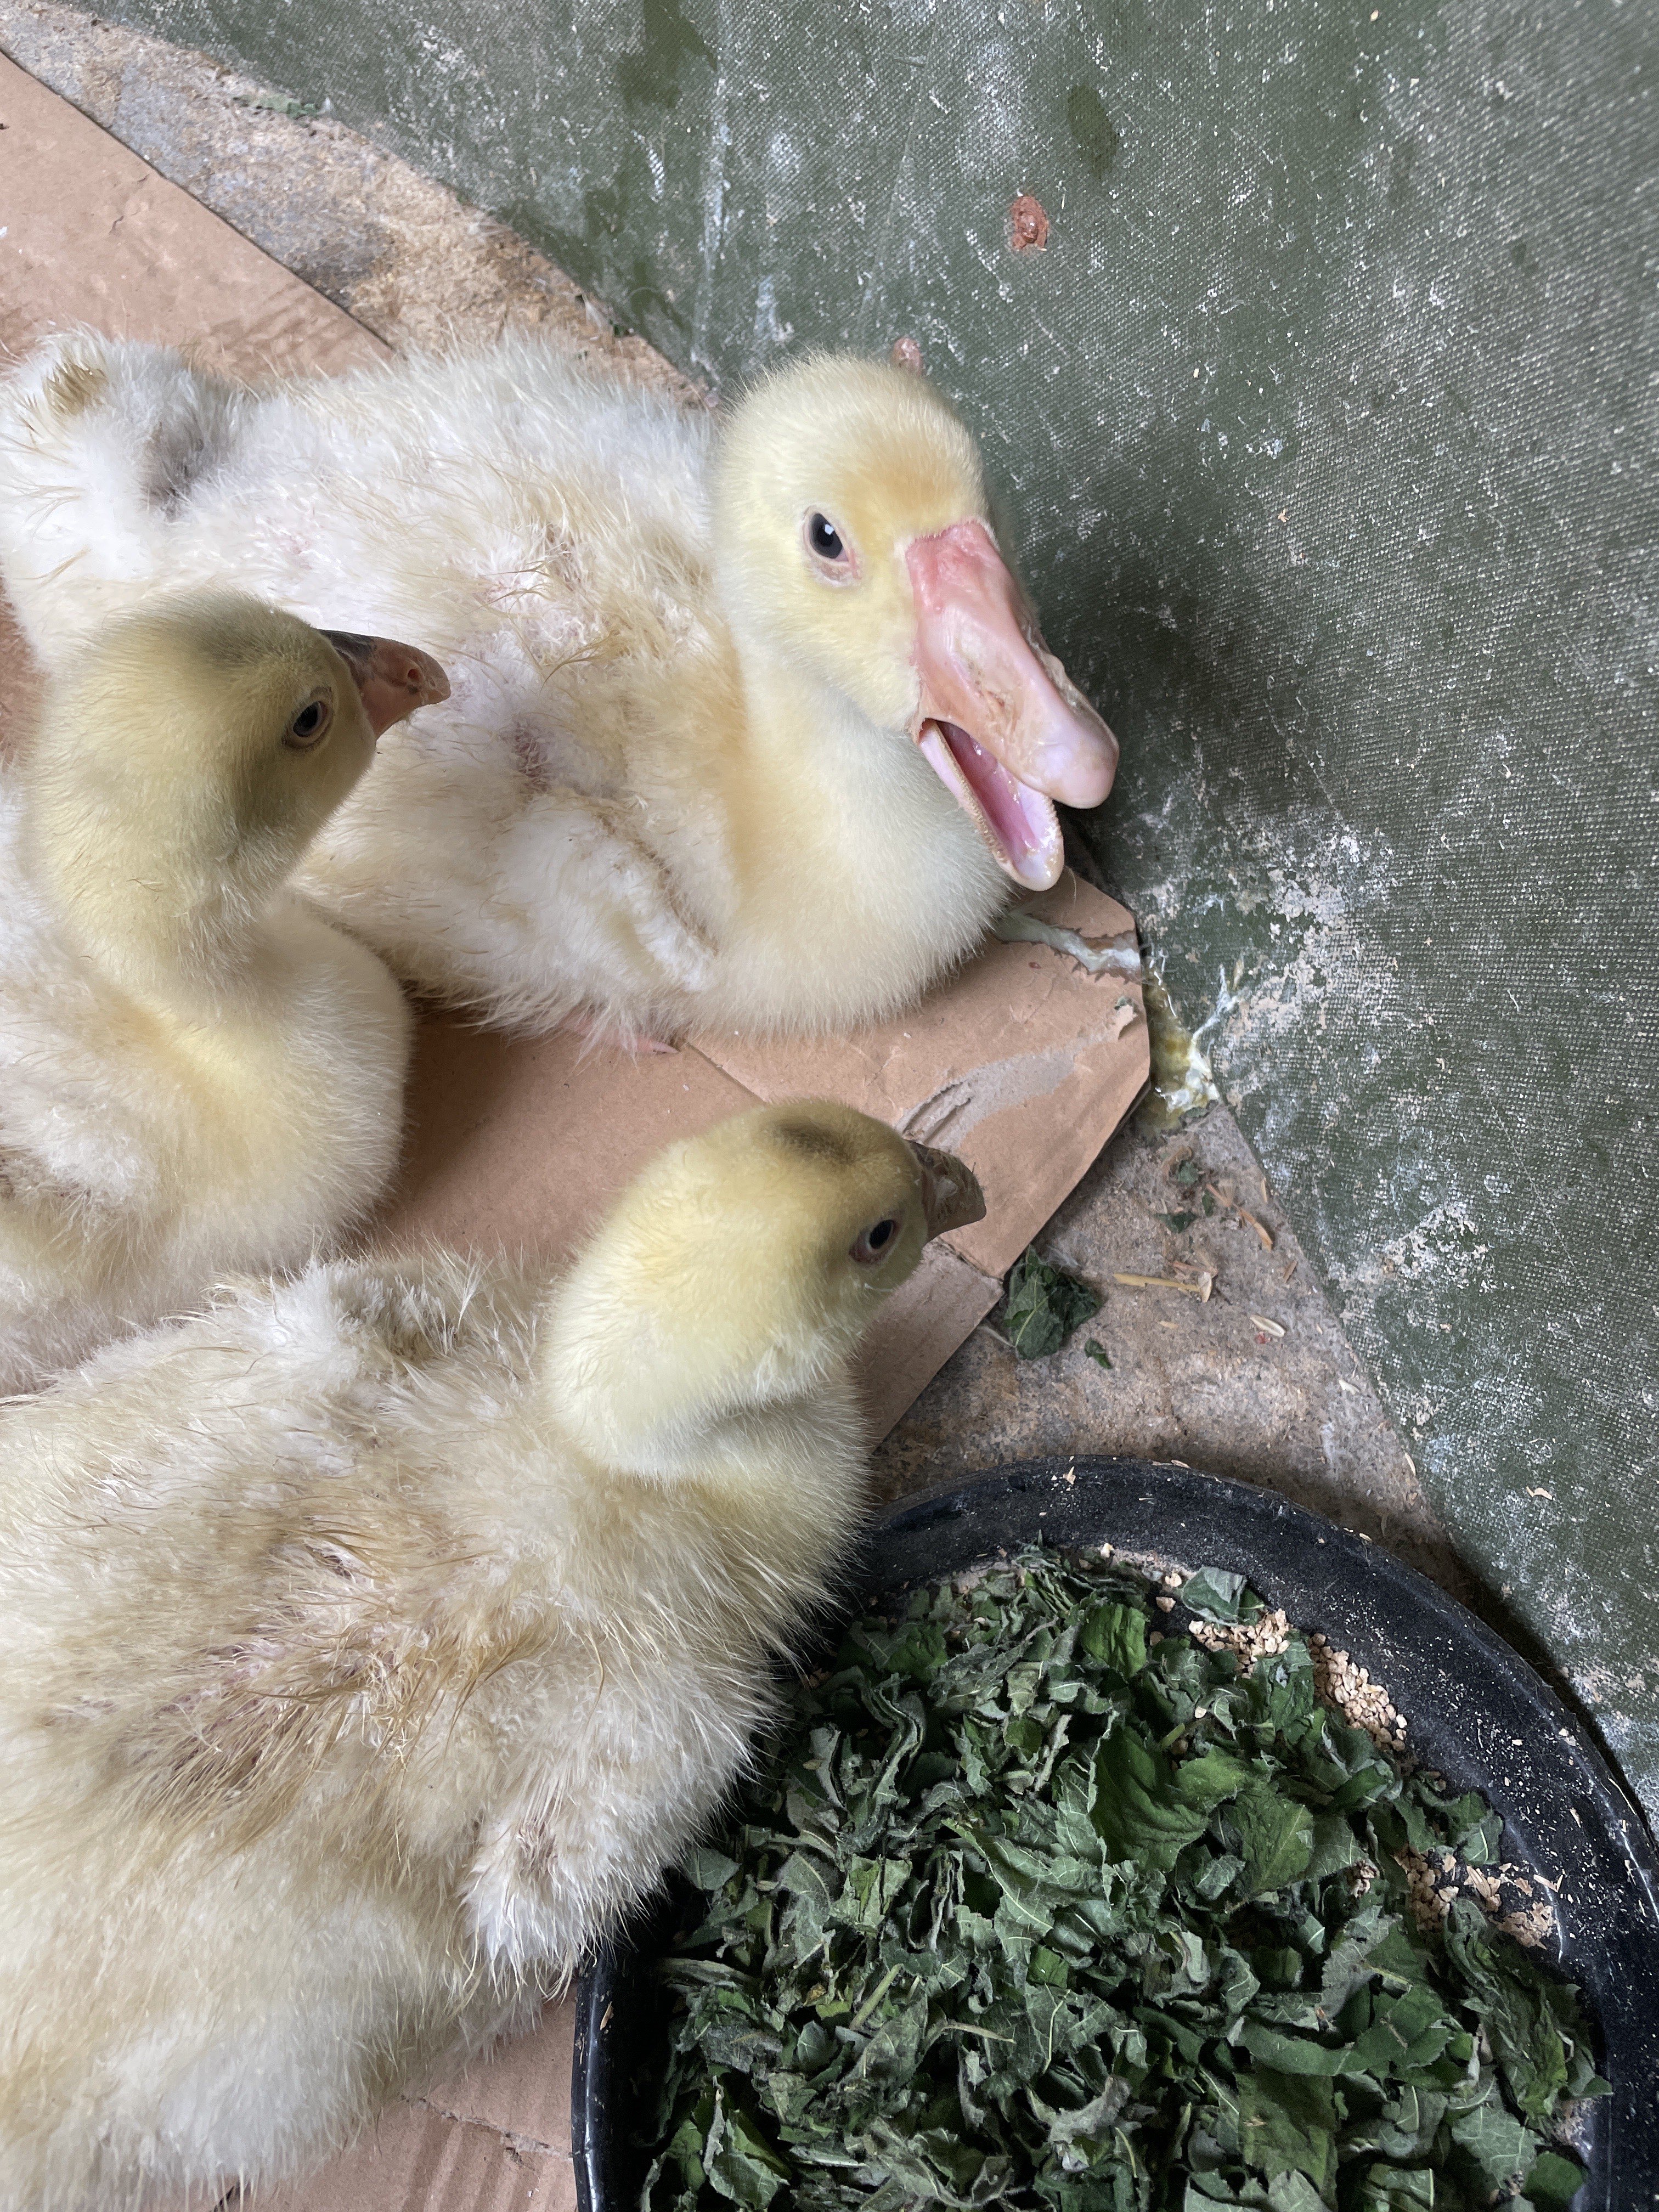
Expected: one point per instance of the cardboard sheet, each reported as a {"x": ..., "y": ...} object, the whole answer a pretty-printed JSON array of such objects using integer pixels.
[
  {"x": 417, "y": 2155},
  {"x": 1022, "y": 1062},
  {"x": 93, "y": 234}
]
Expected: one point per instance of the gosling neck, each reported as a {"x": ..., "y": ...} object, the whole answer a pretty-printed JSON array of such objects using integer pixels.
[
  {"x": 169, "y": 932},
  {"x": 860, "y": 876},
  {"x": 651, "y": 1398},
  {"x": 819, "y": 762}
]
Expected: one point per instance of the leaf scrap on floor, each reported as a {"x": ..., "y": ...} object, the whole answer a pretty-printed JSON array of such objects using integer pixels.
[
  {"x": 1097, "y": 1352},
  {"x": 1041, "y": 1906},
  {"x": 1043, "y": 1305}
]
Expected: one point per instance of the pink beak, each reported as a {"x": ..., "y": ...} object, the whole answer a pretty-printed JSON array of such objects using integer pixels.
[
  {"x": 393, "y": 678},
  {"x": 999, "y": 720}
]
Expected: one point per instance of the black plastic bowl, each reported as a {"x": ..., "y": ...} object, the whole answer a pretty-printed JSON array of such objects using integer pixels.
[{"x": 1475, "y": 1711}]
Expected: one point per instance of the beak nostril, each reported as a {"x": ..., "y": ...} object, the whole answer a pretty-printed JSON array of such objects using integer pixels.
[{"x": 393, "y": 678}]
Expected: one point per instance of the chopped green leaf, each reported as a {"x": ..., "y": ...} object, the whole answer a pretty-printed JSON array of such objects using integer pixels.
[
  {"x": 1145, "y": 1811},
  {"x": 1097, "y": 1352},
  {"x": 1214, "y": 1594},
  {"x": 1497, "y": 2148},
  {"x": 1287, "y": 2122},
  {"x": 1115, "y": 1635},
  {"x": 1398, "y": 2189},
  {"x": 1043, "y": 1305},
  {"x": 1275, "y": 1837},
  {"x": 741, "y": 2164},
  {"x": 1553, "y": 2182}
]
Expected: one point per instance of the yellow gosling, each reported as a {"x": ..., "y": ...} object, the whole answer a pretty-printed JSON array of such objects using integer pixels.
[
  {"x": 198, "y": 1072},
  {"x": 369, "y": 1642}
]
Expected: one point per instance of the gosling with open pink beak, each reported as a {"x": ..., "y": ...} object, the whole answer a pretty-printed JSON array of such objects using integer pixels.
[
  {"x": 919, "y": 616},
  {"x": 752, "y": 727},
  {"x": 907, "y": 733}
]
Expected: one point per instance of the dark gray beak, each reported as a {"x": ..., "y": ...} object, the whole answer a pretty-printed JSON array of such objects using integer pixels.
[{"x": 950, "y": 1194}]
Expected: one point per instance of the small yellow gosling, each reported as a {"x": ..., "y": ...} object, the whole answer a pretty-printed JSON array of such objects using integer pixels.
[
  {"x": 368, "y": 1643},
  {"x": 198, "y": 1073}
]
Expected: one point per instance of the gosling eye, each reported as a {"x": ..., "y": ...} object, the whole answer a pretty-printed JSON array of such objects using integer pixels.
[
  {"x": 872, "y": 1245},
  {"x": 829, "y": 548},
  {"x": 310, "y": 725}
]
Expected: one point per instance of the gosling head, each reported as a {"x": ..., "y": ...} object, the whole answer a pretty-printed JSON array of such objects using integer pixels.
[
  {"x": 189, "y": 755},
  {"x": 735, "y": 1272},
  {"x": 855, "y": 538}
]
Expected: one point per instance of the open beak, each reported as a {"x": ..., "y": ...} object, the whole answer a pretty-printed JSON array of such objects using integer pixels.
[
  {"x": 999, "y": 721},
  {"x": 392, "y": 679},
  {"x": 951, "y": 1195}
]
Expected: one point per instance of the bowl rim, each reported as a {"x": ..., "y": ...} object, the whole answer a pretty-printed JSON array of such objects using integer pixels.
[{"x": 1519, "y": 1744}]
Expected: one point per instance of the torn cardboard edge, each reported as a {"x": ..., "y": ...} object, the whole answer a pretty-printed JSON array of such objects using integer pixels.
[
  {"x": 494, "y": 2136},
  {"x": 1020, "y": 1061}
]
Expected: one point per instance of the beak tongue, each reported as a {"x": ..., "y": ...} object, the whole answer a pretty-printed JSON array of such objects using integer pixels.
[
  {"x": 951, "y": 1195},
  {"x": 393, "y": 679},
  {"x": 999, "y": 721}
]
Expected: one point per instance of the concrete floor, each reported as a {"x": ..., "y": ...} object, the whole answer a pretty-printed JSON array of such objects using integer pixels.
[
  {"x": 1210, "y": 1382},
  {"x": 1257, "y": 1380}
]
